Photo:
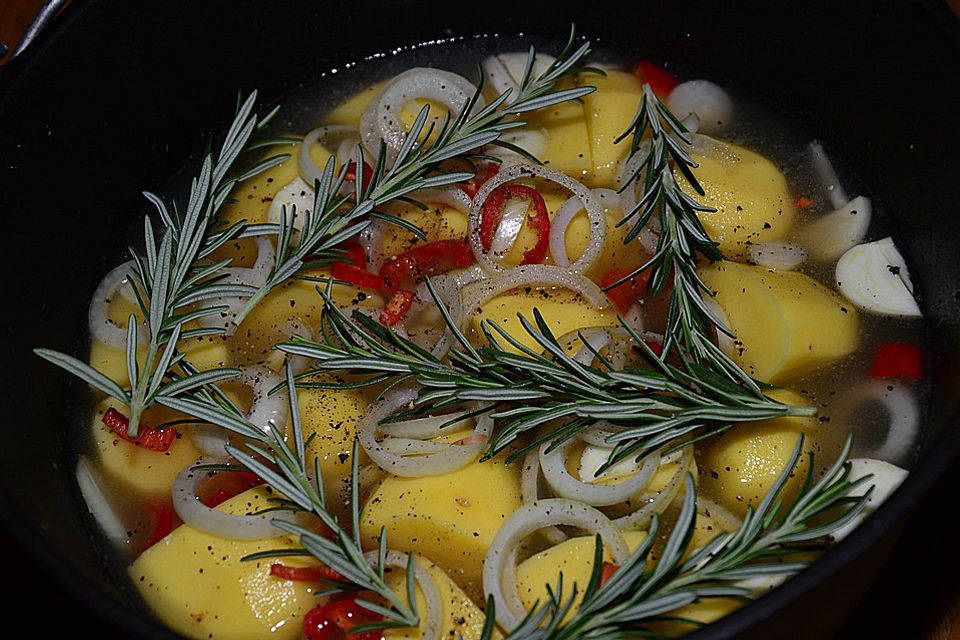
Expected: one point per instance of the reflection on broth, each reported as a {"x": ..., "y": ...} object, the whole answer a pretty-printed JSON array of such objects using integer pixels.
[{"x": 517, "y": 358}]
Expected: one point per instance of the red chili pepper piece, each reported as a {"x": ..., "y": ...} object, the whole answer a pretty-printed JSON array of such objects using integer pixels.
[
  {"x": 304, "y": 574},
  {"x": 354, "y": 268},
  {"x": 227, "y": 484},
  {"x": 163, "y": 518},
  {"x": 397, "y": 307},
  {"x": 351, "y": 174},
  {"x": 317, "y": 625},
  {"x": 607, "y": 571},
  {"x": 484, "y": 173},
  {"x": 624, "y": 295},
  {"x": 660, "y": 80},
  {"x": 803, "y": 202},
  {"x": 897, "y": 360},
  {"x": 440, "y": 256},
  {"x": 347, "y": 614},
  {"x": 492, "y": 212},
  {"x": 147, "y": 437}
]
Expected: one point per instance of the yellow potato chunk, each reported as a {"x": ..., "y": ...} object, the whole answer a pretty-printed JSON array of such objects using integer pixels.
[
  {"x": 564, "y": 311},
  {"x": 197, "y": 584},
  {"x": 350, "y": 110},
  {"x": 451, "y": 519},
  {"x": 329, "y": 420},
  {"x": 573, "y": 558},
  {"x": 751, "y": 196},
  {"x": 786, "y": 323},
  {"x": 438, "y": 222},
  {"x": 140, "y": 470},
  {"x": 461, "y": 617},
  {"x": 609, "y": 111},
  {"x": 567, "y": 139},
  {"x": 739, "y": 467}
]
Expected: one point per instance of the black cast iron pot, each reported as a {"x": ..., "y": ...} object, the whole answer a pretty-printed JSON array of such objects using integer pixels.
[{"x": 115, "y": 96}]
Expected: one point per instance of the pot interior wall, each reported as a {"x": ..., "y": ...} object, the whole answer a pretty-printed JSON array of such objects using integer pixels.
[{"x": 117, "y": 96}]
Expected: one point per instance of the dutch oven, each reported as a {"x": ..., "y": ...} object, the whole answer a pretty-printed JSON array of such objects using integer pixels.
[{"x": 114, "y": 97}]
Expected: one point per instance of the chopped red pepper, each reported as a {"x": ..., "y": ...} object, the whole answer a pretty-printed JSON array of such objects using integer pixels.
[
  {"x": 440, "y": 256},
  {"x": 483, "y": 173},
  {"x": 147, "y": 437},
  {"x": 492, "y": 212},
  {"x": 353, "y": 269},
  {"x": 333, "y": 621},
  {"x": 304, "y": 574},
  {"x": 803, "y": 202},
  {"x": 163, "y": 518},
  {"x": 397, "y": 307},
  {"x": 351, "y": 174},
  {"x": 623, "y": 296},
  {"x": 660, "y": 80},
  {"x": 606, "y": 572},
  {"x": 227, "y": 484},
  {"x": 897, "y": 360}
]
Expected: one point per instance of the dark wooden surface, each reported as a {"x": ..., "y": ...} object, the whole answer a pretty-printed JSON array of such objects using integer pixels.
[{"x": 917, "y": 595}]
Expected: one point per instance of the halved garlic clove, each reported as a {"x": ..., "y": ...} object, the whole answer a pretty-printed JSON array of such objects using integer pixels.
[
  {"x": 874, "y": 277},
  {"x": 829, "y": 236},
  {"x": 704, "y": 99}
]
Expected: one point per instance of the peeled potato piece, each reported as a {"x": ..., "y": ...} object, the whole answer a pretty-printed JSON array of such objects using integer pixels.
[
  {"x": 786, "y": 322},
  {"x": 609, "y": 111}
]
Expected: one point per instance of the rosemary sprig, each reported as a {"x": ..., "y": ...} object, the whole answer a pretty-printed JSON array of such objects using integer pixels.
[
  {"x": 646, "y": 588},
  {"x": 282, "y": 463},
  {"x": 662, "y": 140},
  {"x": 175, "y": 273},
  {"x": 336, "y": 217},
  {"x": 652, "y": 406}
]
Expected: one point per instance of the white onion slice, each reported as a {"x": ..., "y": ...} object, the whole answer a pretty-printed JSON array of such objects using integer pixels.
[
  {"x": 554, "y": 466},
  {"x": 530, "y": 493},
  {"x": 598, "y": 221},
  {"x": 428, "y": 587},
  {"x": 381, "y": 120},
  {"x": 828, "y": 237},
  {"x": 656, "y": 502},
  {"x": 101, "y": 327},
  {"x": 291, "y": 203},
  {"x": 499, "y": 565},
  {"x": 446, "y": 460},
  {"x": 254, "y": 276},
  {"x": 607, "y": 198},
  {"x": 874, "y": 277},
  {"x": 708, "y": 101},
  {"x": 269, "y": 412},
  {"x": 886, "y": 478},
  {"x": 511, "y": 222},
  {"x": 827, "y": 175},
  {"x": 724, "y": 340},
  {"x": 902, "y": 409},
  {"x": 504, "y": 71},
  {"x": 533, "y": 141},
  {"x": 219, "y": 523},
  {"x": 91, "y": 488},
  {"x": 777, "y": 255},
  {"x": 335, "y": 138}
]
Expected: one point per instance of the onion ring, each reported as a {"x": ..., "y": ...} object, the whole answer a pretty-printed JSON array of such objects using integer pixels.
[{"x": 101, "y": 327}]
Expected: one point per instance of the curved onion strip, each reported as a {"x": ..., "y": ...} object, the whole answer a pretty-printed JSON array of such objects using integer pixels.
[
  {"x": 499, "y": 565},
  {"x": 424, "y": 428},
  {"x": 903, "y": 411},
  {"x": 423, "y": 315},
  {"x": 533, "y": 141},
  {"x": 254, "y": 276},
  {"x": 451, "y": 458},
  {"x": 886, "y": 477},
  {"x": 380, "y": 120},
  {"x": 777, "y": 255},
  {"x": 219, "y": 523},
  {"x": 334, "y": 138},
  {"x": 724, "y": 518},
  {"x": 289, "y": 204},
  {"x": 536, "y": 275},
  {"x": 269, "y": 412},
  {"x": 98, "y": 505},
  {"x": 704, "y": 99},
  {"x": 598, "y": 221},
  {"x": 505, "y": 71},
  {"x": 724, "y": 341},
  {"x": 657, "y": 502},
  {"x": 832, "y": 234},
  {"x": 530, "y": 493},
  {"x": 453, "y": 197},
  {"x": 511, "y": 222},
  {"x": 598, "y": 435},
  {"x": 554, "y": 466},
  {"x": 874, "y": 277},
  {"x": 428, "y": 587},
  {"x": 101, "y": 327},
  {"x": 210, "y": 439},
  {"x": 827, "y": 175}
]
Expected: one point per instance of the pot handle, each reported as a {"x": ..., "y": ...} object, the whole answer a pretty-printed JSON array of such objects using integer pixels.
[{"x": 44, "y": 16}]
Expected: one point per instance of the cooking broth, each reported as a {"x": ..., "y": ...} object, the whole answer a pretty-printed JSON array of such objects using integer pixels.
[{"x": 869, "y": 391}]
